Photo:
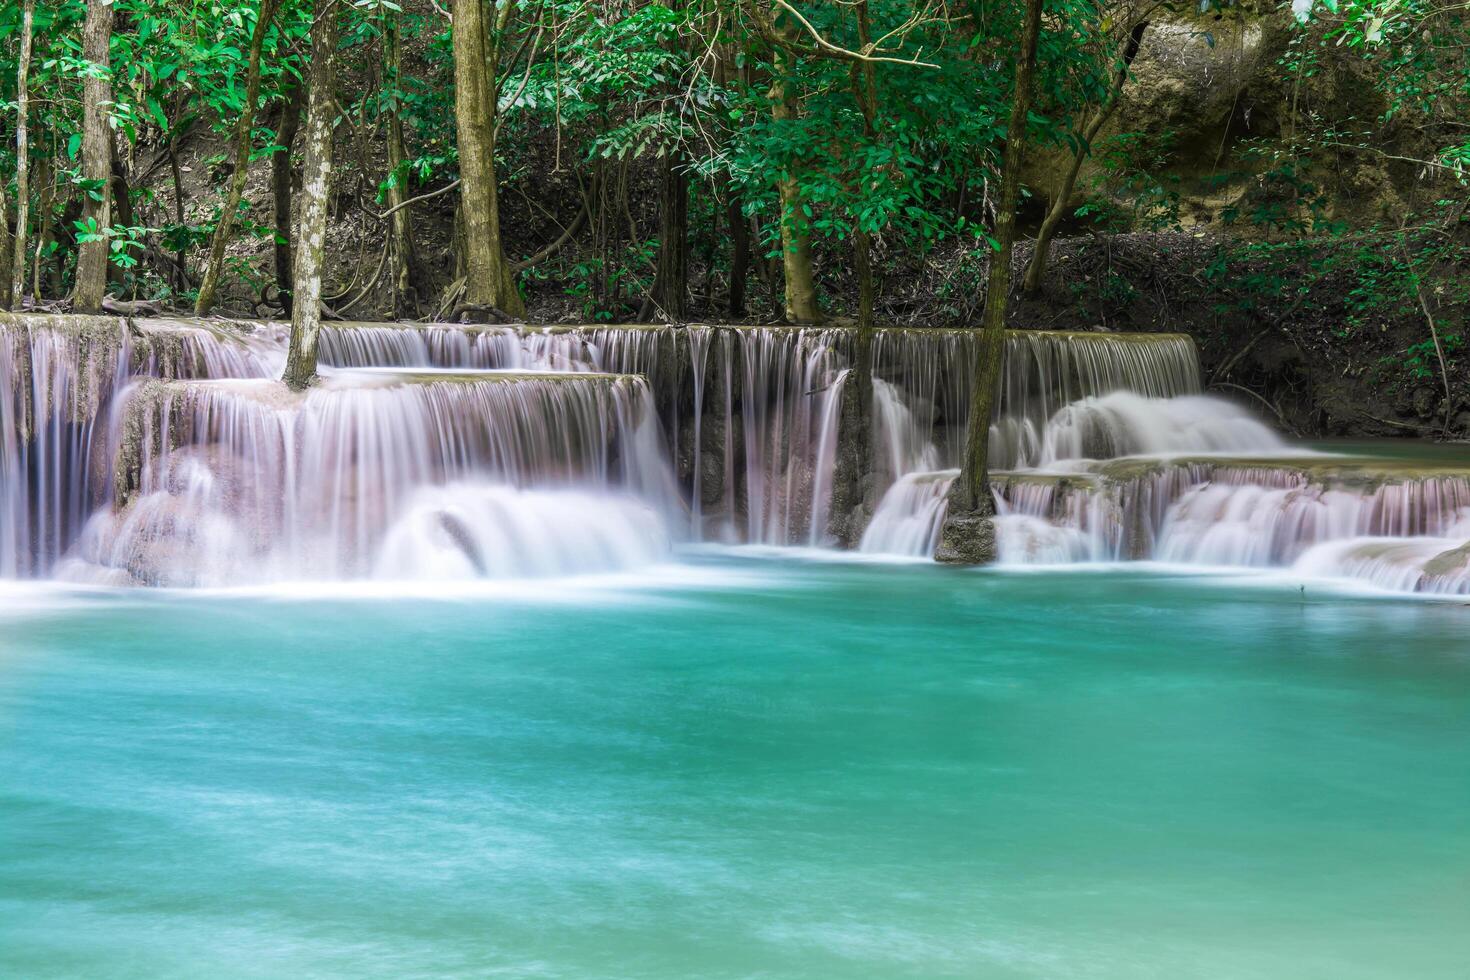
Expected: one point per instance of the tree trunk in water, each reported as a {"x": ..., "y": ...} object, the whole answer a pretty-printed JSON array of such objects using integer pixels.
[
  {"x": 244, "y": 127},
  {"x": 306, "y": 314},
  {"x": 796, "y": 244},
  {"x": 1036, "y": 269},
  {"x": 286, "y": 126},
  {"x": 968, "y": 535},
  {"x": 855, "y": 431},
  {"x": 22, "y": 158},
  {"x": 671, "y": 283},
  {"x": 96, "y": 159},
  {"x": 407, "y": 288},
  {"x": 489, "y": 280}
]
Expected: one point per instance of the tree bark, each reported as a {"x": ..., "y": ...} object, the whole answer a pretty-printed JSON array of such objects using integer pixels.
[
  {"x": 44, "y": 233},
  {"x": 671, "y": 281},
  {"x": 855, "y": 432},
  {"x": 91, "y": 281},
  {"x": 7, "y": 244},
  {"x": 489, "y": 281},
  {"x": 311, "y": 237},
  {"x": 739, "y": 253},
  {"x": 968, "y": 536},
  {"x": 407, "y": 281},
  {"x": 1036, "y": 269},
  {"x": 287, "y": 124},
  {"x": 22, "y": 158},
  {"x": 796, "y": 244},
  {"x": 244, "y": 127}
]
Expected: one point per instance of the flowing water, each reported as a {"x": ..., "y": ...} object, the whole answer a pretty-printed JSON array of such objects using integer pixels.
[
  {"x": 737, "y": 767},
  {"x": 513, "y": 651},
  {"x": 1103, "y": 445}
]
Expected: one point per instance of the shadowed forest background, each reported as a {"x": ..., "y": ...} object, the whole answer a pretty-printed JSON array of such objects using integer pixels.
[{"x": 1284, "y": 182}]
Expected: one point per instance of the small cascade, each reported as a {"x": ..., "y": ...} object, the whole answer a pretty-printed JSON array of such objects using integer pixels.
[
  {"x": 493, "y": 531},
  {"x": 1438, "y": 566},
  {"x": 59, "y": 376},
  {"x": 1043, "y": 372},
  {"x": 472, "y": 346},
  {"x": 909, "y": 518},
  {"x": 244, "y": 481},
  {"x": 790, "y": 403},
  {"x": 1320, "y": 516},
  {"x": 1126, "y": 424}
]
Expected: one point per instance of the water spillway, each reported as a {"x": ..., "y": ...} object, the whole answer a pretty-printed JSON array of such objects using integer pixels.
[{"x": 161, "y": 451}]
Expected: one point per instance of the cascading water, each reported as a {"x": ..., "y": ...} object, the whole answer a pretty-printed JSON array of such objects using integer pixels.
[
  {"x": 59, "y": 376},
  {"x": 1103, "y": 449},
  {"x": 241, "y": 481},
  {"x": 1061, "y": 395}
]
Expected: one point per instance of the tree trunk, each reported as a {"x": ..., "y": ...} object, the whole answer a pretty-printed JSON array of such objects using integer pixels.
[
  {"x": 855, "y": 432},
  {"x": 407, "y": 286},
  {"x": 286, "y": 126},
  {"x": 7, "y": 244},
  {"x": 22, "y": 158},
  {"x": 739, "y": 253},
  {"x": 43, "y": 229},
  {"x": 96, "y": 159},
  {"x": 671, "y": 283},
  {"x": 489, "y": 281},
  {"x": 796, "y": 243},
  {"x": 244, "y": 127},
  {"x": 311, "y": 237},
  {"x": 968, "y": 535},
  {"x": 1036, "y": 269}
]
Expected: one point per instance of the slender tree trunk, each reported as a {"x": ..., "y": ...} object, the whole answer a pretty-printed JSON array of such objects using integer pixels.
[
  {"x": 244, "y": 127},
  {"x": 489, "y": 280},
  {"x": 311, "y": 238},
  {"x": 1036, "y": 269},
  {"x": 739, "y": 252},
  {"x": 122, "y": 195},
  {"x": 671, "y": 282},
  {"x": 407, "y": 289},
  {"x": 968, "y": 536},
  {"x": 43, "y": 224},
  {"x": 22, "y": 157},
  {"x": 96, "y": 158},
  {"x": 796, "y": 243},
  {"x": 855, "y": 433},
  {"x": 286, "y": 126},
  {"x": 7, "y": 244}
]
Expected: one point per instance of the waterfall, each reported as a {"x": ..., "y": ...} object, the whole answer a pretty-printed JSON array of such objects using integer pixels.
[
  {"x": 1043, "y": 372},
  {"x": 1126, "y": 424},
  {"x": 1432, "y": 565},
  {"x": 223, "y": 482},
  {"x": 788, "y": 403},
  {"x": 59, "y": 376},
  {"x": 160, "y": 451},
  {"x": 908, "y": 519},
  {"x": 1323, "y": 516},
  {"x": 493, "y": 531}
]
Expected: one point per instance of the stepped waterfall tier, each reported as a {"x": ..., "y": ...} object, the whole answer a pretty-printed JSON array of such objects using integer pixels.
[
  {"x": 159, "y": 451},
  {"x": 382, "y": 472}
]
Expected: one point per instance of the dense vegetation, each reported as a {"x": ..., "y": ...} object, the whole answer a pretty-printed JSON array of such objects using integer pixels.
[{"x": 767, "y": 159}]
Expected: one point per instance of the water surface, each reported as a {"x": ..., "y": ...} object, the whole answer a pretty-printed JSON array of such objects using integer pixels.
[{"x": 738, "y": 768}]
